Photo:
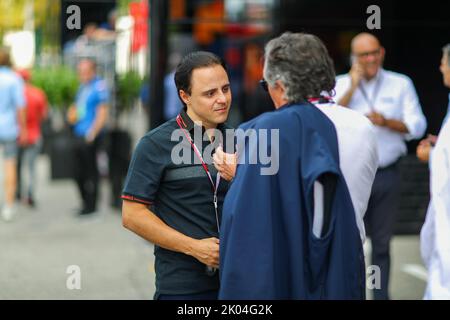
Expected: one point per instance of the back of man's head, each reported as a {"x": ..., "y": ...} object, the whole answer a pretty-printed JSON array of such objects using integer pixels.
[
  {"x": 5, "y": 60},
  {"x": 302, "y": 63}
]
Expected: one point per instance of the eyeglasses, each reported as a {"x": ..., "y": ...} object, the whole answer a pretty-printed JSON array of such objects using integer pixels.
[
  {"x": 263, "y": 84},
  {"x": 374, "y": 53}
]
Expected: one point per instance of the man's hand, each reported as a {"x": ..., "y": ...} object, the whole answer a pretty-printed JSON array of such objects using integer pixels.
[
  {"x": 225, "y": 163},
  {"x": 89, "y": 138},
  {"x": 356, "y": 74},
  {"x": 423, "y": 151},
  {"x": 377, "y": 119},
  {"x": 424, "y": 148},
  {"x": 72, "y": 115},
  {"x": 207, "y": 251}
]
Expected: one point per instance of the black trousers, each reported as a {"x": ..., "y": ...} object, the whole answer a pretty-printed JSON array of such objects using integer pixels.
[
  {"x": 379, "y": 222},
  {"x": 86, "y": 172}
]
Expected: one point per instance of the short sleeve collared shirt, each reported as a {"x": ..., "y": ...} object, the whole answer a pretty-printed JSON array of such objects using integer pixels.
[
  {"x": 166, "y": 174},
  {"x": 89, "y": 97}
]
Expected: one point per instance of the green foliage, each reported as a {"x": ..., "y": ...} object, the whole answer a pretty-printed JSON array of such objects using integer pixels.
[
  {"x": 128, "y": 89},
  {"x": 123, "y": 6},
  {"x": 60, "y": 84}
]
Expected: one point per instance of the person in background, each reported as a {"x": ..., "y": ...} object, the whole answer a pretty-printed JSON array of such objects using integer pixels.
[
  {"x": 390, "y": 101},
  {"x": 435, "y": 233},
  {"x": 88, "y": 116},
  {"x": 172, "y": 104},
  {"x": 36, "y": 112},
  {"x": 426, "y": 145},
  {"x": 12, "y": 126}
]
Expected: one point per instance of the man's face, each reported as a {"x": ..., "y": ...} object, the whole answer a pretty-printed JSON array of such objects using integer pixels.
[
  {"x": 369, "y": 54},
  {"x": 210, "y": 98},
  {"x": 445, "y": 69},
  {"x": 86, "y": 71}
]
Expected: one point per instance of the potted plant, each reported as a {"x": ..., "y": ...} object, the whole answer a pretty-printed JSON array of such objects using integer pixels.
[
  {"x": 128, "y": 87},
  {"x": 60, "y": 85}
]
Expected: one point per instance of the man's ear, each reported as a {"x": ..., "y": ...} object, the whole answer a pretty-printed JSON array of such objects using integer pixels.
[
  {"x": 185, "y": 97},
  {"x": 280, "y": 84}
]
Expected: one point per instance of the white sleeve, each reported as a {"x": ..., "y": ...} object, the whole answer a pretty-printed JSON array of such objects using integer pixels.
[
  {"x": 440, "y": 193},
  {"x": 413, "y": 116}
]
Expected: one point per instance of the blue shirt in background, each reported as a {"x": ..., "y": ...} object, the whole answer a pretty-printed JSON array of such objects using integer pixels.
[
  {"x": 89, "y": 97},
  {"x": 11, "y": 99}
]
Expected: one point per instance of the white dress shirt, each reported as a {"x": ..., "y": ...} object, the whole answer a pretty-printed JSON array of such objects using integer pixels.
[
  {"x": 392, "y": 95},
  {"x": 435, "y": 233},
  {"x": 358, "y": 155}
]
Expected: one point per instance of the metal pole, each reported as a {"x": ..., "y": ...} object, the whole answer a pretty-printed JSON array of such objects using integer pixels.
[{"x": 159, "y": 15}]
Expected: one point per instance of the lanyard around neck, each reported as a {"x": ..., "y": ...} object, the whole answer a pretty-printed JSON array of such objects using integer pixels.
[
  {"x": 320, "y": 100},
  {"x": 371, "y": 102},
  {"x": 215, "y": 186}
]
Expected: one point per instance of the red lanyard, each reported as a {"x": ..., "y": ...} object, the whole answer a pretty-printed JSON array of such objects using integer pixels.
[
  {"x": 215, "y": 186},
  {"x": 323, "y": 99}
]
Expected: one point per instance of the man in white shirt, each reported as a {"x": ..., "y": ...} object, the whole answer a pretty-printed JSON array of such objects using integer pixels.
[
  {"x": 358, "y": 156},
  {"x": 435, "y": 234},
  {"x": 390, "y": 101}
]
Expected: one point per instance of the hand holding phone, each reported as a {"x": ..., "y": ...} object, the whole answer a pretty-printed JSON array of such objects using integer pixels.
[{"x": 356, "y": 72}]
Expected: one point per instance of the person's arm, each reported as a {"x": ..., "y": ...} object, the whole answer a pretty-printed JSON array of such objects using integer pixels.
[
  {"x": 71, "y": 115},
  {"x": 355, "y": 77},
  {"x": 21, "y": 113},
  {"x": 99, "y": 122},
  {"x": 22, "y": 117},
  {"x": 392, "y": 124},
  {"x": 412, "y": 115},
  {"x": 396, "y": 125},
  {"x": 347, "y": 97},
  {"x": 139, "y": 219}
]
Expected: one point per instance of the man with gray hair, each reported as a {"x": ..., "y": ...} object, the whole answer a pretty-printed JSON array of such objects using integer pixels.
[{"x": 293, "y": 234}]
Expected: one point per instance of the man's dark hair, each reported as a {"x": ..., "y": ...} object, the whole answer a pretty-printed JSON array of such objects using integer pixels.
[
  {"x": 190, "y": 62},
  {"x": 302, "y": 63}
]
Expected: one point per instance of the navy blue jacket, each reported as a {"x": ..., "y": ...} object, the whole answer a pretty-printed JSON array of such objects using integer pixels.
[{"x": 267, "y": 248}]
